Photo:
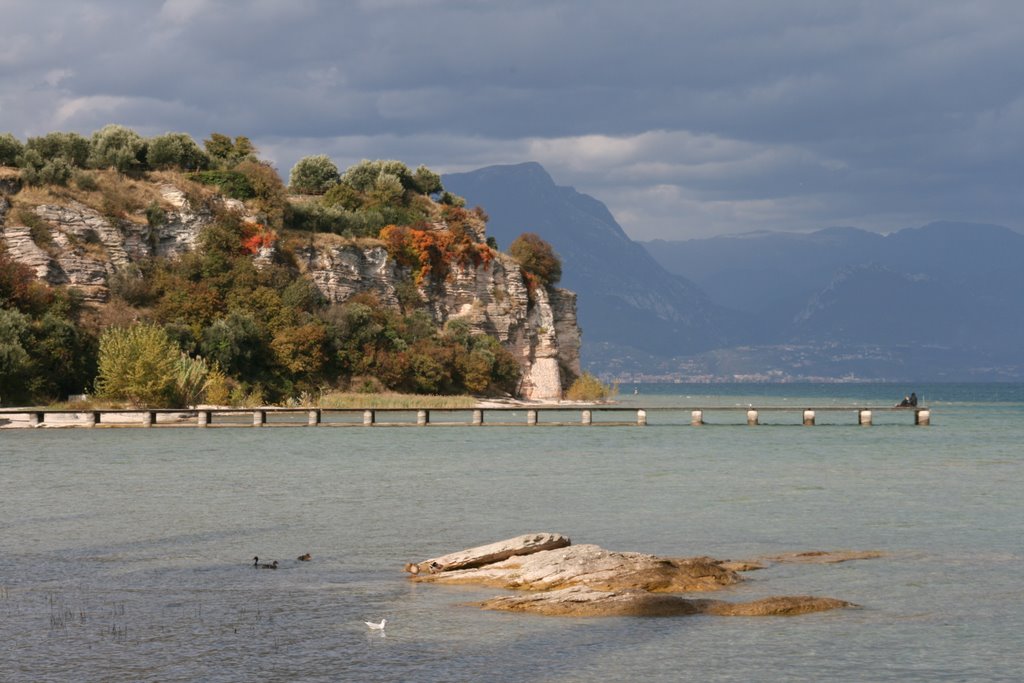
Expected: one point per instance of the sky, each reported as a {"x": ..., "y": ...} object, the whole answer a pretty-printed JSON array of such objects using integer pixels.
[{"x": 688, "y": 119}]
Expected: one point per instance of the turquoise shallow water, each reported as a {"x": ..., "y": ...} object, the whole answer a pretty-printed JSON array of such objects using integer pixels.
[{"x": 124, "y": 554}]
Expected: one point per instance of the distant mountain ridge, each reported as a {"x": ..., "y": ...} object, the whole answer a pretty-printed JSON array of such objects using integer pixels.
[
  {"x": 940, "y": 302},
  {"x": 954, "y": 286}
]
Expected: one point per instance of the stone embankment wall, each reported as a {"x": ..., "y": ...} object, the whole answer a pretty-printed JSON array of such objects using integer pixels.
[{"x": 84, "y": 249}]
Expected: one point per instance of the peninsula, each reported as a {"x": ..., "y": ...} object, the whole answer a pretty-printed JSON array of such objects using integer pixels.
[{"x": 238, "y": 289}]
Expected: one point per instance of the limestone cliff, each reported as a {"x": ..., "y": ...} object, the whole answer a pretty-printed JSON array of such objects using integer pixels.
[
  {"x": 69, "y": 243},
  {"x": 494, "y": 300}
]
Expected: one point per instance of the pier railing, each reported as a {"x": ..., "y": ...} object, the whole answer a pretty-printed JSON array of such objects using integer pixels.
[{"x": 549, "y": 415}]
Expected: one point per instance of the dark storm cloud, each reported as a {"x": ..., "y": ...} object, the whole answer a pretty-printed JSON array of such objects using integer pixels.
[{"x": 687, "y": 118}]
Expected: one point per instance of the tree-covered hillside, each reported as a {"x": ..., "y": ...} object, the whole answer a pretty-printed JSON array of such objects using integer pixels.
[{"x": 234, "y": 320}]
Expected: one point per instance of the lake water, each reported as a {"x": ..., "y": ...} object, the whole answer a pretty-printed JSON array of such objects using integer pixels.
[{"x": 125, "y": 553}]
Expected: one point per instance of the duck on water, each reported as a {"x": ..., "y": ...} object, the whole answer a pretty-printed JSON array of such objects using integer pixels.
[{"x": 265, "y": 565}]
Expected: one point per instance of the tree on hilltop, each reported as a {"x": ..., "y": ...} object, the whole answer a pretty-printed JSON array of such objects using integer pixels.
[
  {"x": 227, "y": 153},
  {"x": 313, "y": 175},
  {"x": 176, "y": 150},
  {"x": 117, "y": 147},
  {"x": 10, "y": 148}
]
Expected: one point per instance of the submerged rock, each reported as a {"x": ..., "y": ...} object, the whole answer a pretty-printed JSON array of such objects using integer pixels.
[
  {"x": 827, "y": 556},
  {"x": 581, "y": 601}
]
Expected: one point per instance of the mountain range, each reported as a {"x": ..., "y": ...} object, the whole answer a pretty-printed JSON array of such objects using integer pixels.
[{"x": 938, "y": 302}]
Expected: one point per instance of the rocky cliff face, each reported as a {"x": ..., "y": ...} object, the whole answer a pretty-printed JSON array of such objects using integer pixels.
[
  {"x": 544, "y": 335},
  {"x": 72, "y": 244}
]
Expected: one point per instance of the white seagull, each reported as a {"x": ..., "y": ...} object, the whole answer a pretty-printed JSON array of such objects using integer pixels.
[{"x": 376, "y": 627}]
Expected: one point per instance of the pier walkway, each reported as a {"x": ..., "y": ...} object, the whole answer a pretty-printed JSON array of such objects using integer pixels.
[{"x": 548, "y": 415}]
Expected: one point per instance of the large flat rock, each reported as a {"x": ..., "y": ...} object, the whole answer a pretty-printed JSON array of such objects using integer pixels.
[
  {"x": 489, "y": 554},
  {"x": 592, "y": 566}
]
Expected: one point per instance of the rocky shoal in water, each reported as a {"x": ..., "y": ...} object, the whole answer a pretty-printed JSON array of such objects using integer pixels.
[{"x": 553, "y": 577}]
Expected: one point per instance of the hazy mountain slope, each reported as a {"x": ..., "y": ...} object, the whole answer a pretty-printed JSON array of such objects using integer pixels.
[
  {"x": 626, "y": 299},
  {"x": 953, "y": 284}
]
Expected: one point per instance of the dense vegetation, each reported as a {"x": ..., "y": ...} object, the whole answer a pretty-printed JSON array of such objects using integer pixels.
[
  {"x": 212, "y": 326},
  {"x": 44, "y": 351}
]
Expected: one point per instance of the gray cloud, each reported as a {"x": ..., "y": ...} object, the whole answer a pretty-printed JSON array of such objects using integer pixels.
[{"x": 686, "y": 118}]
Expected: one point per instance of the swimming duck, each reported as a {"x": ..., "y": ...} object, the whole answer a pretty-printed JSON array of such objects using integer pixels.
[
  {"x": 265, "y": 565},
  {"x": 305, "y": 558}
]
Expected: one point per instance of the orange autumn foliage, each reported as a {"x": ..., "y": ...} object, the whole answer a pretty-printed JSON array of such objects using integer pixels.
[
  {"x": 256, "y": 236},
  {"x": 431, "y": 253}
]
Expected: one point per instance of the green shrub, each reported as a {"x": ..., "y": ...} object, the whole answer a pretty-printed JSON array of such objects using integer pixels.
[
  {"x": 363, "y": 176},
  {"x": 117, "y": 147},
  {"x": 71, "y": 147},
  {"x": 37, "y": 170},
  {"x": 230, "y": 183},
  {"x": 176, "y": 150},
  {"x": 344, "y": 196},
  {"x": 226, "y": 153},
  {"x": 313, "y": 175},
  {"x": 131, "y": 288},
  {"x": 426, "y": 181},
  {"x": 15, "y": 361},
  {"x": 139, "y": 364},
  {"x": 387, "y": 190},
  {"x": 10, "y": 149},
  {"x": 155, "y": 215},
  {"x": 237, "y": 344},
  {"x": 450, "y": 199},
  {"x": 268, "y": 190},
  {"x": 587, "y": 387},
  {"x": 218, "y": 387}
]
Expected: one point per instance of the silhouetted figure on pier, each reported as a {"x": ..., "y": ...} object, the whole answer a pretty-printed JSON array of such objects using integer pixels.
[{"x": 908, "y": 401}]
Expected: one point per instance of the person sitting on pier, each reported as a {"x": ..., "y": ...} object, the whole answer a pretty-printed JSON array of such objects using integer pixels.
[
  {"x": 913, "y": 399},
  {"x": 905, "y": 403}
]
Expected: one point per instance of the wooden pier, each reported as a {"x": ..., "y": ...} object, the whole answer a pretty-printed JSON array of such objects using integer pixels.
[{"x": 532, "y": 416}]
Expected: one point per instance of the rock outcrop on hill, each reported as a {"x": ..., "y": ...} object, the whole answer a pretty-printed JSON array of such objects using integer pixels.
[
  {"x": 74, "y": 245},
  {"x": 556, "y": 578}
]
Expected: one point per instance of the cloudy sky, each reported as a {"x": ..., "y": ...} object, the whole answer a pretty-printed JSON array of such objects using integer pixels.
[{"x": 686, "y": 118}]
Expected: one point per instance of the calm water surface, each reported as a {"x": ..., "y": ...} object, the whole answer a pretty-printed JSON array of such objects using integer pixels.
[{"x": 125, "y": 554}]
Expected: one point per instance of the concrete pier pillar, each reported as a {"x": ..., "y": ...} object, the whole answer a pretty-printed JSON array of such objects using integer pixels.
[
  {"x": 148, "y": 418},
  {"x": 531, "y": 417},
  {"x": 203, "y": 418},
  {"x": 478, "y": 417},
  {"x": 92, "y": 418},
  {"x": 369, "y": 418},
  {"x": 259, "y": 418},
  {"x": 697, "y": 418},
  {"x": 752, "y": 417},
  {"x": 587, "y": 417},
  {"x": 808, "y": 418},
  {"x": 313, "y": 418},
  {"x": 423, "y": 417},
  {"x": 641, "y": 418},
  {"x": 923, "y": 417},
  {"x": 864, "y": 418}
]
